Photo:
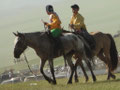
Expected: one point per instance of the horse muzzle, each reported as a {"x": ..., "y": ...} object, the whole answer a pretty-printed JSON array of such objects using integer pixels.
[{"x": 17, "y": 54}]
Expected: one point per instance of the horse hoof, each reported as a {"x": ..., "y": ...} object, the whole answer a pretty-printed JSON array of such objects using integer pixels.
[
  {"x": 50, "y": 80},
  {"x": 108, "y": 78},
  {"x": 94, "y": 79},
  {"x": 76, "y": 80},
  {"x": 86, "y": 79},
  {"x": 69, "y": 83},
  {"x": 113, "y": 76},
  {"x": 54, "y": 83}
]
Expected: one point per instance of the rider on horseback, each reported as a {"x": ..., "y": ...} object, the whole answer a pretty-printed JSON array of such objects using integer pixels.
[
  {"x": 77, "y": 24},
  {"x": 54, "y": 27},
  {"x": 55, "y": 23}
]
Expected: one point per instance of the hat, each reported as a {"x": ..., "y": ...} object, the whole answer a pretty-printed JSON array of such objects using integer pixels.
[
  {"x": 49, "y": 8},
  {"x": 75, "y": 6}
]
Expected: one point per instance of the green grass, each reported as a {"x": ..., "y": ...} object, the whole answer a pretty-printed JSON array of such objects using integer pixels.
[{"x": 101, "y": 84}]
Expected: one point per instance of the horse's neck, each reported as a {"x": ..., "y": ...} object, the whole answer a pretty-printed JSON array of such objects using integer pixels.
[
  {"x": 32, "y": 40},
  {"x": 36, "y": 40}
]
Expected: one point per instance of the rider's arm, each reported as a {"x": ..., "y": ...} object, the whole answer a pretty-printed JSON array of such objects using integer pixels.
[
  {"x": 71, "y": 21},
  {"x": 55, "y": 21}
]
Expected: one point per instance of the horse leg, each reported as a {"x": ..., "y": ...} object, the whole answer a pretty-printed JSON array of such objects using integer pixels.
[
  {"x": 65, "y": 60},
  {"x": 79, "y": 61},
  {"x": 70, "y": 63},
  {"x": 104, "y": 59},
  {"x": 90, "y": 67},
  {"x": 110, "y": 75},
  {"x": 52, "y": 70},
  {"x": 109, "y": 71},
  {"x": 76, "y": 76},
  {"x": 41, "y": 70},
  {"x": 84, "y": 72}
]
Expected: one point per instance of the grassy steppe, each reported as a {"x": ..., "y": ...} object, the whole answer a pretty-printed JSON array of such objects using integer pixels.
[{"x": 101, "y": 84}]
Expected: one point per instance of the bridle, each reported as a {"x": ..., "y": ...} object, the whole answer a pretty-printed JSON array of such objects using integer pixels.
[{"x": 25, "y": 58}]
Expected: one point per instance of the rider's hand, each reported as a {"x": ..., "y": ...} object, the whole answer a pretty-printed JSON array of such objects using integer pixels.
[
  {"x": 45, "y": 23},
  {"x": 71, "y": 26}
]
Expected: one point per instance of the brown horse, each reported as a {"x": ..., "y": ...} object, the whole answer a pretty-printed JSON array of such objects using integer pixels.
[{"x": 105, "y": 50}]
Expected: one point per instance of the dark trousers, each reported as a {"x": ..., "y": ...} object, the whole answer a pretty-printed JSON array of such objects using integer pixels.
[{"x": 89, "y": 38}]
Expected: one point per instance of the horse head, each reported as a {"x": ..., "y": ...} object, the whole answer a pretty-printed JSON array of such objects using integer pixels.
[{"x": 20, "y": 44}]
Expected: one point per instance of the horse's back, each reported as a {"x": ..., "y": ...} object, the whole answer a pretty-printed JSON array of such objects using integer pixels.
[
  {"x": 71, "y": 40},
  {"x": 99, "y": 35},
  {"x": 102, "y": 41}
]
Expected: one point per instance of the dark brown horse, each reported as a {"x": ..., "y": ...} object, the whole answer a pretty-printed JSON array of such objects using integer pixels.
[{"x": 105, "y": 50}]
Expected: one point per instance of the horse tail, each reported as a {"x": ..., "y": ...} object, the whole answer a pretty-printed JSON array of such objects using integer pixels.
[{"x": 113, "y": 53}]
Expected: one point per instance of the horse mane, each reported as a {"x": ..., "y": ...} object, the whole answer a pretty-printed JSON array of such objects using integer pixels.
[{"x": 37, "y": 32}]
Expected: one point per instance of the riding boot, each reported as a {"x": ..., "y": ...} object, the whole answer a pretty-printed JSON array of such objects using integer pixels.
[{"x": 89, "y": 39}]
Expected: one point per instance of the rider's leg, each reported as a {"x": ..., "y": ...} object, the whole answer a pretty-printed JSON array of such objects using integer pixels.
[{"x": 89, "y": 38}]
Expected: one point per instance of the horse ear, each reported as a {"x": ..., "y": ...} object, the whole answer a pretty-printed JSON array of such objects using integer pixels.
[
  {"x": 20, "y": 35},
  {"x": 15, "y": 34}
]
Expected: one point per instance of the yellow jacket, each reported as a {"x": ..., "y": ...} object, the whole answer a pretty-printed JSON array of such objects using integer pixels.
[
  {"x": 78, "y": 22},
  {"x": 54, "y": 22}
]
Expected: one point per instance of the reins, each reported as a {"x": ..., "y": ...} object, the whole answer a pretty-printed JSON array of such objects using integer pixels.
[
  {"x": 44, "y": 25},
  {"x": 29, "y": 66}
]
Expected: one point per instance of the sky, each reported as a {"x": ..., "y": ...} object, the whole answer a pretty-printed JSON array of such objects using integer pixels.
[{"x": 26, "y": 15}]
